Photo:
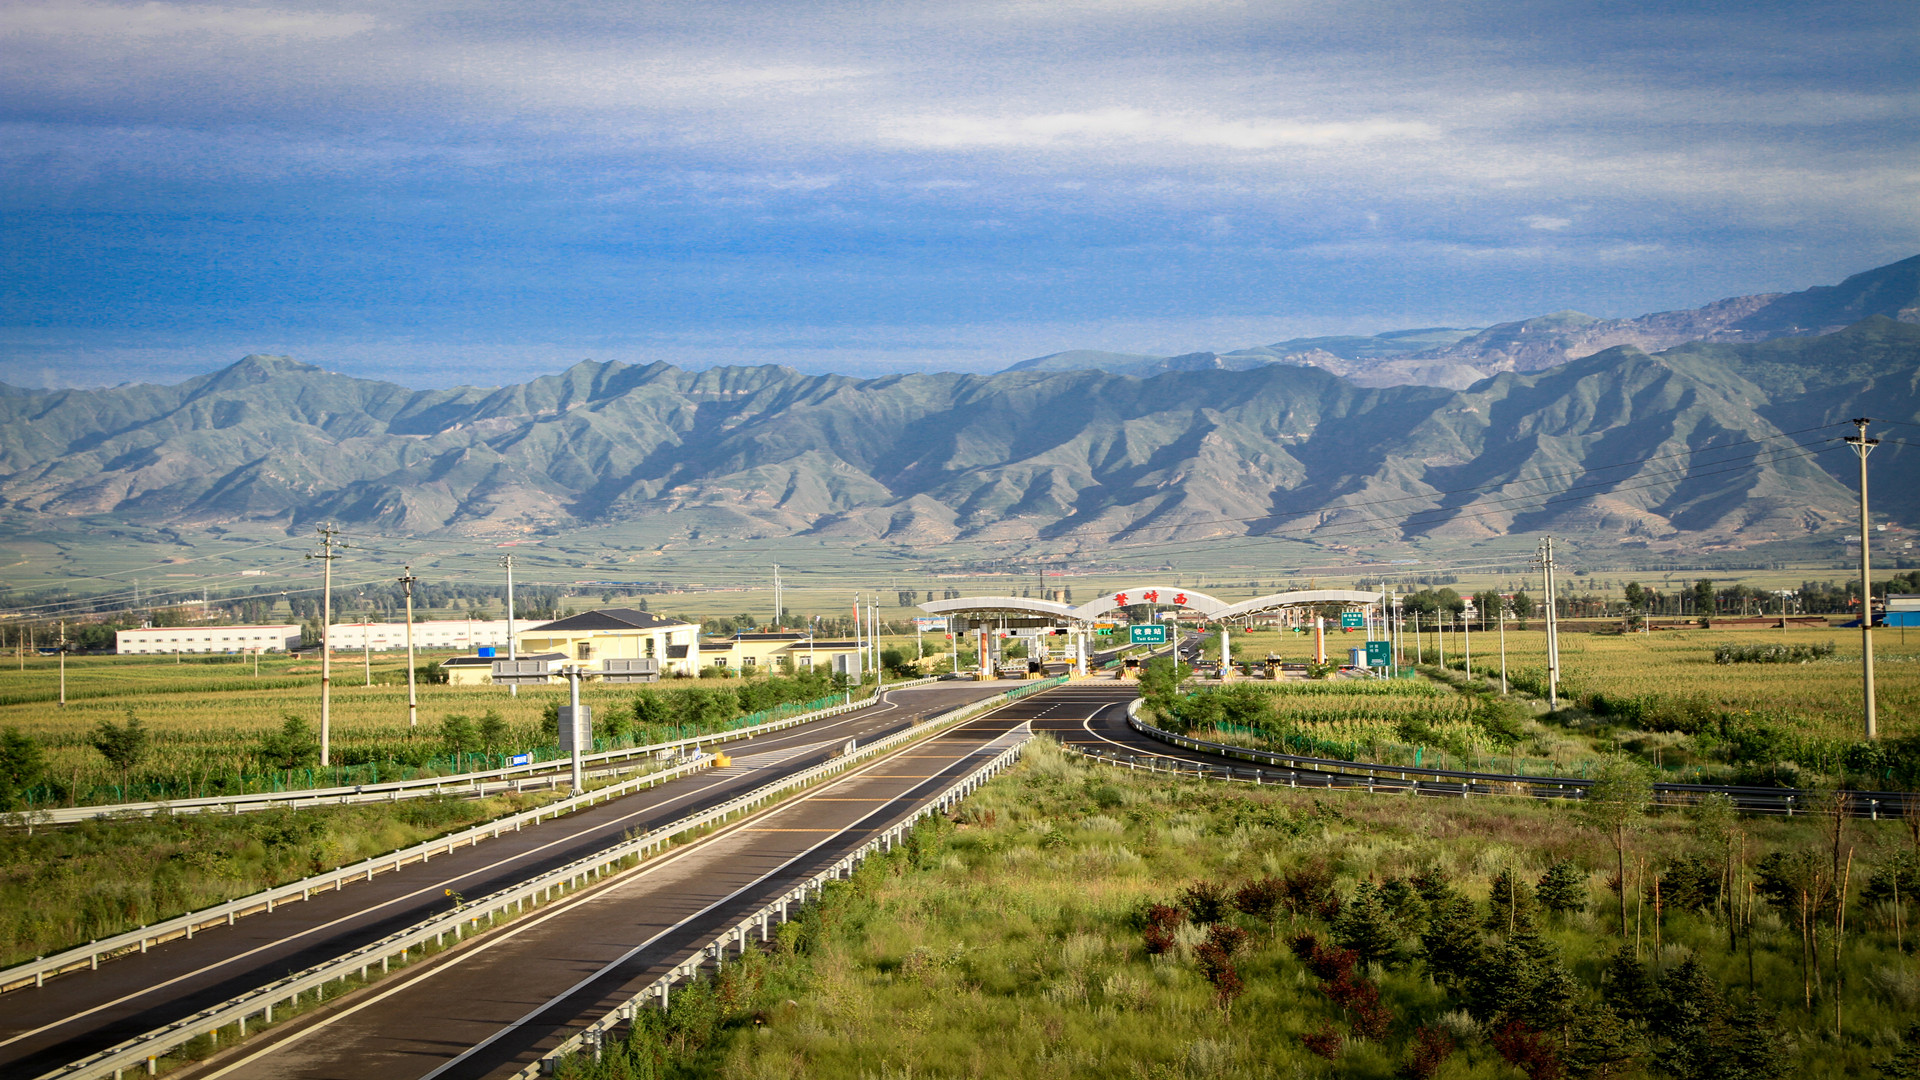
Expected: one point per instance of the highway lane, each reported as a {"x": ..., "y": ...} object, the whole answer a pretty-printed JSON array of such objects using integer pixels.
[
  {"x": 76, "y": 1014},
  {"x": 497, "y": 1004}
]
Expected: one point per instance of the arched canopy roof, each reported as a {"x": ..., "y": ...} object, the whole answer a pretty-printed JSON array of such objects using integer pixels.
[
  {"x": 1276, "y": 601},
  {"x": 999, "y": 605},
  {"x": 1159, "y": 595}
]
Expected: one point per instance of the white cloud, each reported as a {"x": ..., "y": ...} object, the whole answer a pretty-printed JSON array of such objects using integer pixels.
[
  {"x": 153, "y": 20},
  {"x": 1548, "y": 224},
  {"x": 1123, "y": 125}
]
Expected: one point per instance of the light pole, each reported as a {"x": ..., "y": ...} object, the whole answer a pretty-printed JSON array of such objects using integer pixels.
[
  {"x": 1862, "y": 446},
  {"x": 63, "y": 665}
]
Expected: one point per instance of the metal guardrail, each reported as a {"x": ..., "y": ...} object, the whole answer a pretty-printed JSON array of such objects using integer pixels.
[
  {"x": 1297, "y": 771},
  {"x": 486, "y": 782},
  {"x": 144, "y": 1051},
  {"x": 595, "y": 1036},
  {"x": 36, "y": 972}
]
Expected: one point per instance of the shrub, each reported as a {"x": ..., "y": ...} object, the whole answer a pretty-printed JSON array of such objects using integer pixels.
[{"x": 1772, "y": 653}]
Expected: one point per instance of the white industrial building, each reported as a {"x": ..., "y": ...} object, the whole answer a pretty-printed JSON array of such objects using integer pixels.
[
  {"x": 206, "y": 639},
  {"x": 462, "y": 634}
]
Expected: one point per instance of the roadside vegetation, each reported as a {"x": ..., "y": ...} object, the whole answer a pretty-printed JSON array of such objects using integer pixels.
[
  {"x": 1078, "y": 920},
  {"x": 1712, "y": 705}
]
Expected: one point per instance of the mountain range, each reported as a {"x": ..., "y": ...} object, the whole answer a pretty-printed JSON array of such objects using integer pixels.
[
  {"x": 1704, "y": 443},
  {"x": 1459, "y": 358}
]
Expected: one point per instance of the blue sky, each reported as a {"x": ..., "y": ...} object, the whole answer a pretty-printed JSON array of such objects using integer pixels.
[{"x": 440, "y": 193}]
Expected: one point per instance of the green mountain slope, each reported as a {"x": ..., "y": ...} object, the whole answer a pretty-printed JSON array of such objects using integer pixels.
[{"x": 1621, "y": 443}]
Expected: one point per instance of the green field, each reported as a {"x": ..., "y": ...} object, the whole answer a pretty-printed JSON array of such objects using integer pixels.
[
  {"x": 207, "y": 718},
  {"x": 1019, "y": 941}
]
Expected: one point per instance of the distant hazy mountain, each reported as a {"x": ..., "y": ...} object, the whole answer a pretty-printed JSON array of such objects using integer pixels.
[
  {"x": 1460, "y": 358},
  {"x": 1341, "y": 355},
  {"x": 929, "y": 457}
]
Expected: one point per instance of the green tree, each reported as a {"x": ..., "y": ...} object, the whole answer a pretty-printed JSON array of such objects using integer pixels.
[
  {"x": 1749, "y": 1045},
  {"x": 1509, "y": 903},
  {"x": 22, "y": 765},
  {"x": 1703, "y": 600},
  {"x": 1625, "y": 985},
  {"x": 1604, "y": 1045},
  {"x": 1523, "y": 607},
  {"x": 294, "y": 746},
  {"x": 1160, "y": 679},
  {"x": 650, "y": 710},
  {"x": 1563, "y": 888},
  {"x": 1904, "y": 1062},
  {"x": 1616, "y": 801},
  {"x": 1523, "y": 979},
  {"x": 1717, "y": 828},
  {"x": 1367, "y": 927},
  {"x": 458, "y": 735},
  {"x": 1451, "y": 942},
  {"x": 1685, "y": 1024},
  {"x": 123, "y": 745},
  {"x": 493, "y": 731}
]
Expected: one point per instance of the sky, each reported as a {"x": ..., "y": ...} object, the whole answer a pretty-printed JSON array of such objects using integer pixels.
[{"x": 441, "y": 193}]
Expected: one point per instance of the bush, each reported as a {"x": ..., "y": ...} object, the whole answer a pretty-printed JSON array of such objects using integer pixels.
[{"x": 1771, "y": 654}]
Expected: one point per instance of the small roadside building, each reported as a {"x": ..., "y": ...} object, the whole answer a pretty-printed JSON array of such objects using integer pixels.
[
  {"x": 754, "y": 652},
  {"x": 616, "y": 634}
]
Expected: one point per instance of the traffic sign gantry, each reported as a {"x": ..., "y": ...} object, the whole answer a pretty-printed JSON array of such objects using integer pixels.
[{"x": 1147, "y": 634}]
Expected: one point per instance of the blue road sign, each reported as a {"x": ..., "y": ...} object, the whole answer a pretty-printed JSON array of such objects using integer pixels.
[{"x": 1147, "y": 634}]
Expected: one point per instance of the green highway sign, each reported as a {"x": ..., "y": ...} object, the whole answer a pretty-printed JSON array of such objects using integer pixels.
[
  {"x": 1353, "y": 620},
  {"x": 1379, "y": 654},
  {"x": 1147, "y": 634}
]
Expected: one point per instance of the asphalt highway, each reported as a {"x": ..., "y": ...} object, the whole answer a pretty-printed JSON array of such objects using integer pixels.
[
  {"x": 488, "y": 1008},
  {"x": 82, "y": 1012}
]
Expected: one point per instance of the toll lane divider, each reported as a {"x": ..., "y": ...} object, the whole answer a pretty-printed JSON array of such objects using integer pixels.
[
  {"x": 595, "y": 1036},
  {"x": 487, "y": 782},
  {"x": 145, "y": 1051},
  {"x": 89, "y": 956},
  {"x": 1296, "y": 771}
]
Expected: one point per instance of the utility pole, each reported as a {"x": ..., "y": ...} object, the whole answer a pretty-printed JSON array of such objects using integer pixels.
[
  {"x": 859, "y": 637},
  {"x": 873, "y": 609},
  {"x": 63, "y": 665},
  {"x": 1862, "y": 446},
  {"x": 326, "y": 557},
  {"x": 366, "y": 643},
  {"x": 512, "y": 653},
  {"x": 413, "y": 702},
  {"x": 779, "y": 605},
  {"x": 1503, "y": 646},
  {"x": 1467, "y": 626},
  {"x": 1553, "y": 625}
]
